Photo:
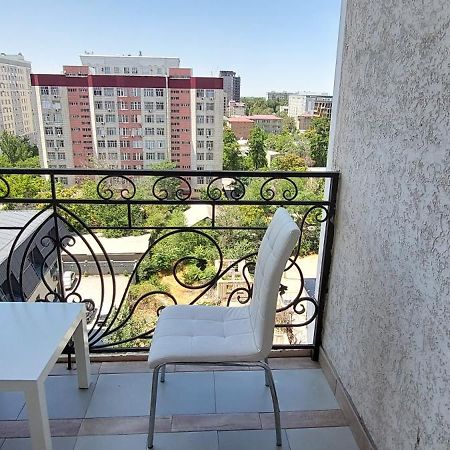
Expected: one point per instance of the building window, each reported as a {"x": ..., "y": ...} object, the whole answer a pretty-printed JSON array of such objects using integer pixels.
[
  {"x": 160, "y": 119},
  {"x": 200, "y": 93},
  {"x": 51, "y": 155},
  {"x": 148, "y": 92},
  {"x": 160, "y": 144},
  {"x": 99, "y": 118},
  {"x": 61, "y": 156},
  {"x": 122, "y": 105},
  {"x": 209, "y": 119},
  {"x": 110, "y": 131},
  {"x": 126, "y": 70},
  {"x": 121, "y": 92},
  {"x": 149, "y": 145},
  {"x": 110, "y": 118},
  {"x": 210, "y": 107},
  {"x": 159, "y": 106},
  {"x": 137, "y": 144},
  {"x": 209, "y": 145},
  {"x": 149, "y": 155},
  {"x": 98, "y": 105},
  {"x": 109, "y": 105},
  {"x": 101, "y": 144},
  {"x": 109, "y": 92},
  {"x": 149, "y": 131},
  {"x": 112, "y": 144},
  {"x": 148, "y": 106},
  {"x": 97, "y": 91},
  {"x": 134, "y": 70},
  {"x": 48, "y": 131},
  {"x": 159, "y": 92},
  {"x": 200, "y": 156},
  {"x": 200, "y": 144},
  {"x": 209, "y": 156},
  {"x": 135, "y": 92},
  {"x": 210, "y": 93},
  {"x": 135, "y": 105},
  {"x": 123, "y": 118},
  {"x": 44, "y": 90},
  {"x": 149, "y": 119},
  {"x": 125, "y": 144},
  {"x": 199, "y": 107},
  {"x": 200, "y": 131},
  {"x": 209, "y": 132},
  {"x": 54, "y": 90},
  {"x": 200, "y": 119},
  {"x": 160, "y": 131},
  {"x": 107, "y": 70}
]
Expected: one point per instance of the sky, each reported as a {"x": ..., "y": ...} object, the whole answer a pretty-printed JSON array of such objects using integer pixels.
[{"x": 274, "y": 45}]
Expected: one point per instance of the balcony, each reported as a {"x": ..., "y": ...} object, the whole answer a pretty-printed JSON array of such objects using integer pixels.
[
  {"x": 122, "y": 235},
  {"x": 202, "y": 410}
]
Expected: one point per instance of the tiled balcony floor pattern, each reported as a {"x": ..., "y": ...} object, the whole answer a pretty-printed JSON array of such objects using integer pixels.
[{"x": 204, "y": 409}]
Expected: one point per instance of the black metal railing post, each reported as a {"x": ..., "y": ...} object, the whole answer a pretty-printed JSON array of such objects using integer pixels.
[{"x": 325, "y": 267}]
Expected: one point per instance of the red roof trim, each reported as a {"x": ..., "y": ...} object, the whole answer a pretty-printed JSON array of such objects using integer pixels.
[{"x": 126, "y": 81}]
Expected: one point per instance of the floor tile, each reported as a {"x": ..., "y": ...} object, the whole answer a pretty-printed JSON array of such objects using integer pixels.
[
  {"x": 122, "y": 425},
  {"x": 59, "y": 443},
  {"x": 241, "y": 392},
  {"x": 61, "y": 369},
  {"x": 306, "y": 389},
  {"x": 129, "y": 395},
  {"x": 128, "y": 367},
  {"x": 186, "y": 393},
  {"x": 322, "y": 439},
  {"x": 120, "y": 395},
  {"x": 163, "y": 441},
  {"x": 64, "y": 399},
  {"x": 11, "y": 403},
  {"x": 203, "y": 422},
  {"x": 252, "y": 440},
  {"x": 306, "y": 419},
  {"x": 20, "y": 428}
]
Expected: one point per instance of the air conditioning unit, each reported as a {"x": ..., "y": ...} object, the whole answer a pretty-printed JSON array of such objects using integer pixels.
[{"x": 109, "y": 110}]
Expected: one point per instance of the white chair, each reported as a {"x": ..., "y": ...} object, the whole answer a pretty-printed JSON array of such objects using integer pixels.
[{"x": 241, "y": 336}]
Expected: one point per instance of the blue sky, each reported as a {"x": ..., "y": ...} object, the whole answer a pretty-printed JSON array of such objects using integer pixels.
[{"x": 273, "y": 45}]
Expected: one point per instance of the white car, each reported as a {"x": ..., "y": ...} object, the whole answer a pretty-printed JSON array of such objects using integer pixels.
[{"x": 68, "y": 279}]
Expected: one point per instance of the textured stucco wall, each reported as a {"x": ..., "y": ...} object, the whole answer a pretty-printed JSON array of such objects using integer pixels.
[{"x": 387, "y": 322}]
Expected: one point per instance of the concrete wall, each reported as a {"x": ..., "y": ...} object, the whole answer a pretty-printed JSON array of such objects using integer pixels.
[{"x": 387, "y": 321}]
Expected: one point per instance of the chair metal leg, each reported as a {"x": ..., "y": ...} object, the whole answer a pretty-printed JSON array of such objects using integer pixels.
[
  {"x": 266, "y": 360},
  {"x": 163, "y": 374},
  {"x": 151, "y": 421},
  {"x": 276, "y": 407}
]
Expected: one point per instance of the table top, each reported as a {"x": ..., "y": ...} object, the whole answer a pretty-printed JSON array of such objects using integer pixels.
[{"x": 32, "y": 336}]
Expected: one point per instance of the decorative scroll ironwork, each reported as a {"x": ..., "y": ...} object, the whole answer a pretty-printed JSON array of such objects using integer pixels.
[{"x": 122, "y": 318}]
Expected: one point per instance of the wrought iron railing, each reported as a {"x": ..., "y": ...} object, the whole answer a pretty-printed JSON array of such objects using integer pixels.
[{"x": 197, "y": 244}]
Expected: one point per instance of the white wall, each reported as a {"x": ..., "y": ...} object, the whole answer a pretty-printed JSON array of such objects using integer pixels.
[{"x": 387, "y": 320}]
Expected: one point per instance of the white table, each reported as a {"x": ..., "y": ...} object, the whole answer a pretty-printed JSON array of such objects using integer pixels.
[{"x": 32, "y": 337}]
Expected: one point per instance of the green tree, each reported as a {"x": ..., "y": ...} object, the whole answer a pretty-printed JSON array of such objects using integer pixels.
[
  {"x": 16, "y": 149},
  {"x": 289, "y": 162},
  {"x": 317, "y": 137},
  {"x": 232, "y": 158},
  {"x": 257, "y": 148}
]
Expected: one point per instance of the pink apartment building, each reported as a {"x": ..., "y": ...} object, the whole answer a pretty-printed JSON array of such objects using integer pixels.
[{"x": 125, "y": 119}]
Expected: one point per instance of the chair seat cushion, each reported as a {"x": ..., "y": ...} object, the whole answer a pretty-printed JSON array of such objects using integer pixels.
[{"x": 191, "y": 333}]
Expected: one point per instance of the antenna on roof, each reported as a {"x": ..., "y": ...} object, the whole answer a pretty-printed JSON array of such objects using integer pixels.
[{"x": 140, "y": 52}]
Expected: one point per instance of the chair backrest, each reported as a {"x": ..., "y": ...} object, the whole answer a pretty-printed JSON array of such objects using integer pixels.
[{"x": 279, "y": 240}]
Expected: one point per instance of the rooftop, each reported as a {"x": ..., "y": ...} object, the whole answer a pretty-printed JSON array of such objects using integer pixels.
[
  {"x": 264, "y": 117},
  {"x": 239, "y": 119}
]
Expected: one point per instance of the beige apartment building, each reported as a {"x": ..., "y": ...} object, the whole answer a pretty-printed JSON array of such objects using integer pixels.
[{"x": 16, "y": 104}]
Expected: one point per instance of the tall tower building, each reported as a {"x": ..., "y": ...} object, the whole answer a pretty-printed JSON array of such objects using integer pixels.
[
  {"x": 16, "y": 104},
  {"x": 130, "y": 120},
  {"x": 231, "y": 86}
]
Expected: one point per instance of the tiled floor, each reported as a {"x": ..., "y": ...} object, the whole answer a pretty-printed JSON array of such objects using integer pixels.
[{"x": 202, "y": 410}]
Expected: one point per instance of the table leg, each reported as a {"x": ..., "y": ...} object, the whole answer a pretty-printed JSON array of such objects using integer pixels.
[
  {"x": 80, "y": 340},
  {"x": 38, "y": 417}
]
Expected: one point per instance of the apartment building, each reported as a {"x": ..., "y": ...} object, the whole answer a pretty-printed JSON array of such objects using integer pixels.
[
  {"x": 16, "y": 104},
  {"x": 235, "y": 109},
  {"x": 309, "y": 103},
  {"x": 231, "y": 85},
  {"x": 268, "y": 122},
  {"x": 241, "y": 126},
  {"x": 130, "y": 120}
]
